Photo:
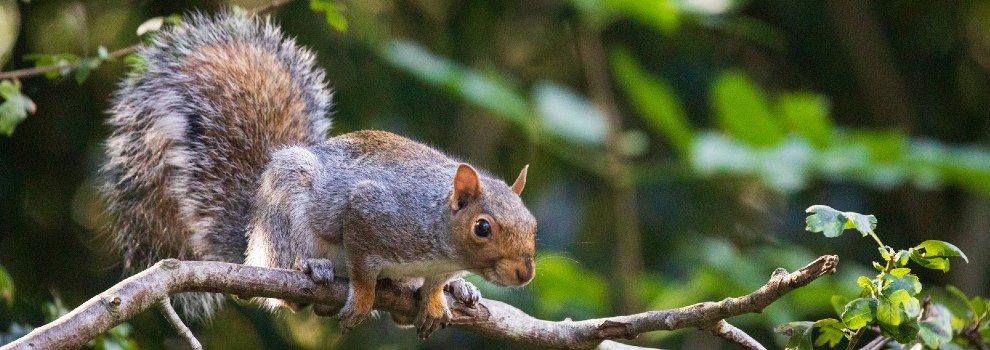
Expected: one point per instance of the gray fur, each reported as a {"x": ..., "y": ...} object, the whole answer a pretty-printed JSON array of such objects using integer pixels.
[
  {"x": 219, "y": 152},
  {"x": 160, "y": 179}
]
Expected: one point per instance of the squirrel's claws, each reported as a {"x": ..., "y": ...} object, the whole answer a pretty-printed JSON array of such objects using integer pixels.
[
  {"x": 319, "y": 270},
  {"x": 349, "y": 318},
  {"x": 427, "y": 324},
  {"x": 463, "y": 291}
]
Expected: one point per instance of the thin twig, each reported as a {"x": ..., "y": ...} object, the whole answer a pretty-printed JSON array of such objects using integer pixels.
[
  {"x": 876, "y": 344},
  {"x": 165, "y": 306},
  {"x": 729, "y": 332},
  {"x": 34, "y": 71},
  {"x": 487, "y": 317}
]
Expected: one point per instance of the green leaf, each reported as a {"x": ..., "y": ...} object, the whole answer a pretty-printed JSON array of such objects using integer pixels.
[
  {"x": 151, "y": 25},
  {"x": 900, "y": 272},
  {"x": 888, "y": 312},
  {"x": 65, "y": 60},
  {"x": 332, "y": 12},
  {"x": 743, "y": 111},
  {"x": 867, "y": 284},
  {"x": 826, "y": 220},
  {"x": 799, "y": 333},
  {"x": 807, "y": 115},
  {"x": 832, "y": 222},
  {"x": 839, "y": 303},
  {"x": 654, "y": 99},
  {"x": 859, "y": 313},
  {"x": 15, "y": 107},
  {"x": 831, "y": 332},
  {"x": 908, "y": 283},
  {"x": 952, "y": 290},
  {"x": 937, "y": 328},
  {"x": 84, "y": 67},
  {"x": 6, "y": 287},
  {"x": 490, "y": 93},
  {"x": 939, "y": 249},
  {"x": 903, "y": 333},
  {"x": 930, "y": 263},
  {"x": 902, "y": 257},
  {"x": 569, "y": 114},
  {"x": 557, "y": 299},
  {"x": 865, "y": 224}
]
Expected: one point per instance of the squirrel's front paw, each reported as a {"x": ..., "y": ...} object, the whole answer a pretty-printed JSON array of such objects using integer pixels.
[
  {"x": 350, "y": 317},
  {"x": 463, "y": 291},
  {"x": 431, "y": 319},
  {"x": 319, "y": 270}
]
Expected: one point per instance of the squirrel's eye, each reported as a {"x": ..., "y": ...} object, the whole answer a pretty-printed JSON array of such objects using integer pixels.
[{"x": 482, "y": 228}]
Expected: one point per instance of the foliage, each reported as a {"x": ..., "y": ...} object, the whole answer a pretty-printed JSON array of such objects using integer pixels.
[
  {"x": 117, "y": 338},
  {"x": 15, "y": 106},
  {"x": 890, "y": 300}
]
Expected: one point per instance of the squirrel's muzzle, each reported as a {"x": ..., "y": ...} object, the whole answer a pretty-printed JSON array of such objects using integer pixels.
[
  {"x": 525, "y": 272},
  {"x": 513, "y": 272}
]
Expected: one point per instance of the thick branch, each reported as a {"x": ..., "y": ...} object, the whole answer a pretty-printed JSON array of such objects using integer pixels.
[{"x": 493, "y": 318}]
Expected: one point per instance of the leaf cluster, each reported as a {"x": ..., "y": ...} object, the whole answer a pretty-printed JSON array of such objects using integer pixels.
[{"x": 888, "y": 302}]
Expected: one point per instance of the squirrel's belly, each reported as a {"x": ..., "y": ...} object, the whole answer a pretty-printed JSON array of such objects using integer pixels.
[{"x": 420, "y": 269}]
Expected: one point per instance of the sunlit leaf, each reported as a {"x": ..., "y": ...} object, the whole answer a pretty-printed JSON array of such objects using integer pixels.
[
  {"x": 939, "y": 249},
  {"x": 661, "y": 14},
  {"x": 907, "y": 282},
  {"x": 64, "y": 60},
  {"x": 153, "y": 24},
  {"x": 569, "y": 115},
  {"x": 15, "y": 107},
  {"x": 859, "y": 313},
  {"x": 654, "y": 99},
  {"x": 6, "y": 287},
  {"x": 476, "y": 88},
  {"x": 807, "y": 115},
  {"x": 826, "y": 220},
  {"x": 744, "y": 112},
  {"x": 865, "y": 224},
  {"x": 831, "y": 332},
  {"x": 799, "y": 334},
  {"x": 934, "y": 263},
  {"x": 558, "y": 297},
  {"x": 332, "y": 12}
]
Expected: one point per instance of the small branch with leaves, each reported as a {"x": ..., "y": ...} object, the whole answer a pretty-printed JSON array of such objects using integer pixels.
[
  {"x": 151, "y": 289},
  {"x": 16, "y": 106},
  {"x": 888, "y": 302}
]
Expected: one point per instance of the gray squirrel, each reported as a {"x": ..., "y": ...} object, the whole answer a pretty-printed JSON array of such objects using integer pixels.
[{"x": 219, "y": 151}]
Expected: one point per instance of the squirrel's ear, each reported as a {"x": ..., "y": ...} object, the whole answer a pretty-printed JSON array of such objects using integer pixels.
[
  {"x": 467, "y": 186},
  {"x": 517, "y": 186}
]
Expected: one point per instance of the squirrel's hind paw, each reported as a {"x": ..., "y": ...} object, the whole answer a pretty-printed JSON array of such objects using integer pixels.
[
  {"x": 426, "y": 323},
  {"x": 319, "y": 270},
  {"x": 349, "y": 317},
  {"x": 463, "y": 291}
]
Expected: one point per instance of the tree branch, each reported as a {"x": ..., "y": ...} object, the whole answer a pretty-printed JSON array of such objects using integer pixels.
[
  {"x": 173, "y": 318},
  {"x": 731, "y": 333},
  {"x": 492, "y": 318},
  {"x": 33, "y": 71}
]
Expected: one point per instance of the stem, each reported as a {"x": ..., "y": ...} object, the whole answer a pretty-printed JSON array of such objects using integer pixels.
[
  {"x": 33, "y": 71},
  {"x": 877, "y": 239},
  {"x": 854, "y": 339}
]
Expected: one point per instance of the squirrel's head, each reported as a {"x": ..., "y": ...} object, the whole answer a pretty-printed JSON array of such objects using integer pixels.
[{"x": 493, "y": 232}]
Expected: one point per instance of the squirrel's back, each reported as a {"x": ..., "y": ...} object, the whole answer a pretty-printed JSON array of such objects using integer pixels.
[{"x": 193, "y": 128}]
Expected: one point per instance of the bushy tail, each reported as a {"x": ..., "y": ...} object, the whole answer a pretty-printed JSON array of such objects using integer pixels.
[{"x": 193, "y": 127}]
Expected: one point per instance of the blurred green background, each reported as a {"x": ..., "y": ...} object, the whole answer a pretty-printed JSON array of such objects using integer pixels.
[{"x": 673, "y": 144}]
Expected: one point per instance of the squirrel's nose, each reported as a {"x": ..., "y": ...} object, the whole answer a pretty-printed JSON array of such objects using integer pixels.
[{"x": 525, "y": 272}]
